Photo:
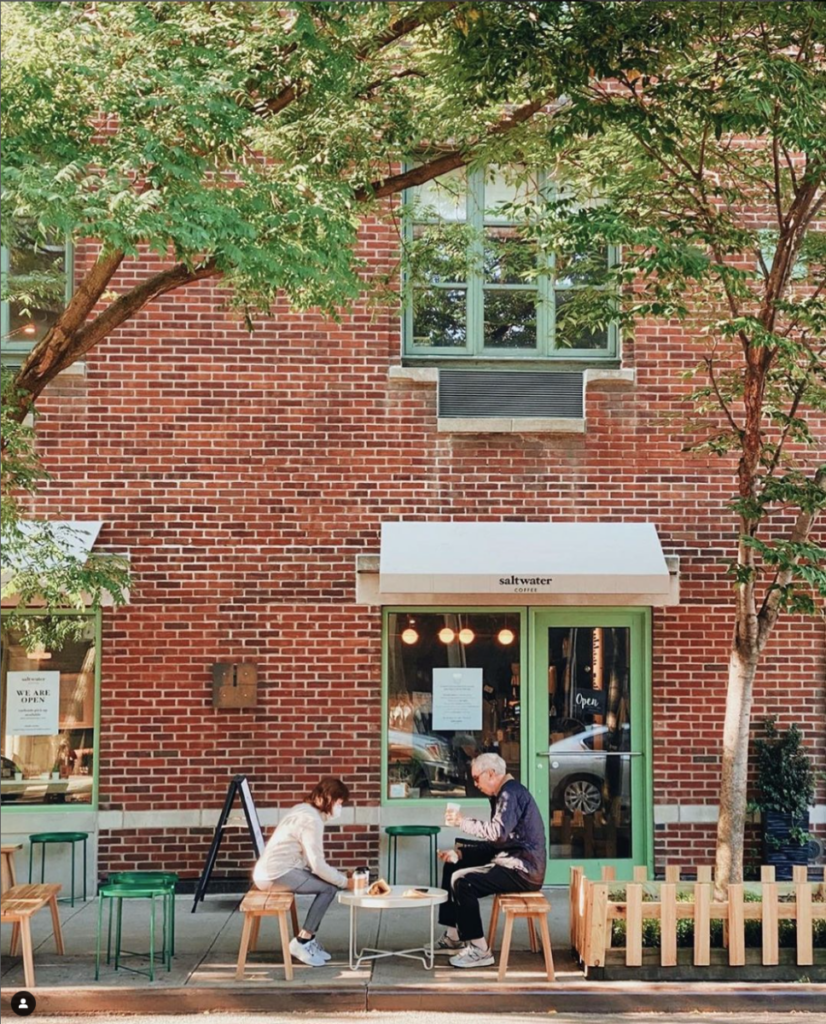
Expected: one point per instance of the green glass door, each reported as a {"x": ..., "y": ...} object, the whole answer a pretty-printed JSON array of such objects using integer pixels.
[{"x": 589, "y": 763}]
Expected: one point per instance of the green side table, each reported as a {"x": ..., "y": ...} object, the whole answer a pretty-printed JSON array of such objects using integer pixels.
[
  {"x": 134, "y": 891},
  {"x": 142, "y": 879},
  {"x": 45, "y": 838},
  {"x": 394, "y": 832}
]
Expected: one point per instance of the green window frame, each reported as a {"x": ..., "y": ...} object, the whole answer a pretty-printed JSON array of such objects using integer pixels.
[
  {"x": 15, "y": 350},
  {"x": 475, "y": 286},
  {"x": 70, "y": 808},
  {"x": 524, "y": 652}
]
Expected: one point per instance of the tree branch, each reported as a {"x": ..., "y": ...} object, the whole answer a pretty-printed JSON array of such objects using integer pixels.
[
  {"x": 35, "y": 375},
  {"x": 448, "y": 161}
]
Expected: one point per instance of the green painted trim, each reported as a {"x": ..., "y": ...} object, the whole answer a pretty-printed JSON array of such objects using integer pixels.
[
  {"x": 638, "y": 621},
  {"x": 73, "y": 808},
  {"x": 388, "y": 610}
]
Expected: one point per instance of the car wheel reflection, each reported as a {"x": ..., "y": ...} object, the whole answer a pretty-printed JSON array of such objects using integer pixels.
[{"x": 582, "y": 794}]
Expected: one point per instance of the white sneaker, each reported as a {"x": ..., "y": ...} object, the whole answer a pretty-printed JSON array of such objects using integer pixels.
[
  {"x": 320, "y": 950},
  {"x": 472, "y": 957},
  {"x": 305, "y": 952}
]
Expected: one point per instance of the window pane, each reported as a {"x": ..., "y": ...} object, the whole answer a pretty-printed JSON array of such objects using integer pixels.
[
  {"x": 48, "y": 723},
  {"x": 508, "y": 258},
  {"x": 574, "y": 269},
  {"x": 439, "y": 317},
  {"x": 38, "y": 272},
  {"x": 439, "y": 254},
  {"x": 502, "y": 189},
  {"x": 510, "y": 318},
  {"x": 450, "y": 700},
  {"x": 443, "y": 198},
  {"x": 574, "y": 310}
]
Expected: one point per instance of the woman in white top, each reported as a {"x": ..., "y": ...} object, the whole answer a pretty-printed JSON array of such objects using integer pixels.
[{"x": 293, "y": 861}]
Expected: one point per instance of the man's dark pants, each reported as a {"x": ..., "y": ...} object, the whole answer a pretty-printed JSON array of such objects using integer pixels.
[{"x": 474, "y": 876}]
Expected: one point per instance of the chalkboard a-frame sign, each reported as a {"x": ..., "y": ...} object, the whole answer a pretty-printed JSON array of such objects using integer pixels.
[{"x": 238, "y": 787}]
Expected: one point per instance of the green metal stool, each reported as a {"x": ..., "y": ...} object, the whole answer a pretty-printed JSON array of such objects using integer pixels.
[
  {"x": 143, "y": 879},
  {"x": 394, "y": 831},
  {"x": 45, "y": 838},
  {"x": 130, "y": 891}
]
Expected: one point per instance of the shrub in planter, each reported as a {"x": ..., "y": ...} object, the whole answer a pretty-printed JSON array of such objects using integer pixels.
[{"x": 785, "y": 791}]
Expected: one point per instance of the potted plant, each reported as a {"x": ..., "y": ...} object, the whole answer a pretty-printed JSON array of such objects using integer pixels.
[{"x": 785, "y": 792}]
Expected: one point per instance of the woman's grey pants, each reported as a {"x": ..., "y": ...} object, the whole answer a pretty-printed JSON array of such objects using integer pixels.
[{"x": 305, "y": 883}]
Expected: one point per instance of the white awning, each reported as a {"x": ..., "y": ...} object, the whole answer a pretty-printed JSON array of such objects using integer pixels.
[
  {"x": 491, "y": 560},
  {"x": 71, "y": 539}
]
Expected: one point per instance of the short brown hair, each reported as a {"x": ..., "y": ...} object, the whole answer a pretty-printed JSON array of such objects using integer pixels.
[{"x": 327, "y": 792}]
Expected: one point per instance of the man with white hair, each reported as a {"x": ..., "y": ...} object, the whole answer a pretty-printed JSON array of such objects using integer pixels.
[{"x": 510, "y": 858}]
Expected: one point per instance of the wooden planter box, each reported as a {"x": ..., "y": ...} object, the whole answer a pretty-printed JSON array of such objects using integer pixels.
[{"x": 595, "y": 906}]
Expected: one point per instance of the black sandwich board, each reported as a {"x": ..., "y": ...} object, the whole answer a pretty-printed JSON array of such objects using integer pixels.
[{"x": 239, "y": 786}]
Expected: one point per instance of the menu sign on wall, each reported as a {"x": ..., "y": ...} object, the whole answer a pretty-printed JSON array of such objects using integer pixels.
[
  {"x": 33, "y": 703},
  {"x": 457, "y": 699}
]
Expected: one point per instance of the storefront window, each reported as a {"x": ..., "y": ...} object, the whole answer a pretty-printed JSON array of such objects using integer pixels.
[
  {"x": 453, "y": 693},
  {"x": 48, "y": 721}
]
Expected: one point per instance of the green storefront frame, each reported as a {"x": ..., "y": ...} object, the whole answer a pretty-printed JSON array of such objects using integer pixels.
[
  {"x": 535, "y": 622},
  {"x": 638, "y": 623},
  {"x": 78, "y": 808}
]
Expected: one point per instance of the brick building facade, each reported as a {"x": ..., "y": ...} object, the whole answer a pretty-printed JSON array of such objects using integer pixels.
[{"x": 247, "y": 476}]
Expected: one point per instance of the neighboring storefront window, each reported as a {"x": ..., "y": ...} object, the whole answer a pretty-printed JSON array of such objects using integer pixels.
[
  {"x": 453, "y": 692},
  {"x": 48, "y": 721}
]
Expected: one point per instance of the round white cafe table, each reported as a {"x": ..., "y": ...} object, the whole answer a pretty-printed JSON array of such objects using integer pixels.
[{"x": 394, "y": 900}]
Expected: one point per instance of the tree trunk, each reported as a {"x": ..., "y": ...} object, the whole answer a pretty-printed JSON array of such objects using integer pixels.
[{"x": 732, "y": 821}]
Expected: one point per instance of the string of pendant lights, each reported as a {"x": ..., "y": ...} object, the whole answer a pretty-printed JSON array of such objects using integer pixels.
[{"x": 465, "y": 636}]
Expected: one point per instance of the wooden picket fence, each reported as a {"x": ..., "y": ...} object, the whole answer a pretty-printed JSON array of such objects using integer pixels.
[{"x": 592, "y": 913}]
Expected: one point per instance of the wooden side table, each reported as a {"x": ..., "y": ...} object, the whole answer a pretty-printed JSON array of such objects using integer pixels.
[{"x": 8, "y": 876}]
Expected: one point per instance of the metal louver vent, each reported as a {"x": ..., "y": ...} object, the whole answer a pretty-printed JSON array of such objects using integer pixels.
[{"x": 511, "y": 393}]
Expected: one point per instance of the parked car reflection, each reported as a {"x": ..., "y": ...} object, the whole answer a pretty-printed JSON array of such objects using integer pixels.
[
  {"x": 430, "y": 761},
  {"x": 581, "y": 778}
]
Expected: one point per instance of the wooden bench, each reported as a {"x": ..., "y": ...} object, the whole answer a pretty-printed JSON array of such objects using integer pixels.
[
  {"x": 17, "y": 907},
  {"x": 257, "y": 904},
  {"x": 534, "y": 908}
]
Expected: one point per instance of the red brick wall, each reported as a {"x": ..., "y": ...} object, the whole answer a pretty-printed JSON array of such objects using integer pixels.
[{"x": 245, "y": 473}]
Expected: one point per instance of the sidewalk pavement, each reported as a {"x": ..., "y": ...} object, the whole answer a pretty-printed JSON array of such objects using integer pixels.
[{"x": 203, "y": 970}]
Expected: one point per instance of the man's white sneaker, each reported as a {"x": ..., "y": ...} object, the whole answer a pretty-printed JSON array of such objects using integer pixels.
[
  {"x": 305, "y": 952},
  {"x": 320, "y": 950},
  {"x": 472, "y": 957}
]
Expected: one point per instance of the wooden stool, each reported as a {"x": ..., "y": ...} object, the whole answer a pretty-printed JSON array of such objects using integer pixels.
[
  {"x": 534, "y": 908},
  {"x": 257, "y": 904},
  {"x": 8, "y": 876},
  {"x": 17, "y": 906}
]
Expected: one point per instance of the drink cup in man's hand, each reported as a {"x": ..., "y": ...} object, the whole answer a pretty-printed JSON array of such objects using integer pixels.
[{"x": 453, "y": 814}]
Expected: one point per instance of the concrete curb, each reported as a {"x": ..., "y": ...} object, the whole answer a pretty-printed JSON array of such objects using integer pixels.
[{"x": 595, "y": 997}]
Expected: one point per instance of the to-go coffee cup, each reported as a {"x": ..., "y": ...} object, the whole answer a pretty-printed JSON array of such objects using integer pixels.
[{"x": 452, "y": 809}]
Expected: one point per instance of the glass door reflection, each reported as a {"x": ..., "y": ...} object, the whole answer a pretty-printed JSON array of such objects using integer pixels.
[{"x": 589, "y": 743}]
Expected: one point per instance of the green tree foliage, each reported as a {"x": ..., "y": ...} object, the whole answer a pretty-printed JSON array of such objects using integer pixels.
[{"x": 245, "y": 140}]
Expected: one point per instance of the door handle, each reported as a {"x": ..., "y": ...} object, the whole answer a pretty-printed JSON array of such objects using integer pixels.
[{"x": 593, "y": 753}]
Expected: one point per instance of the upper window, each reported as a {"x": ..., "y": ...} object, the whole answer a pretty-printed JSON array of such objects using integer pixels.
[
  {"x": 480, "y": 283},
  {"x": 38, "y": 276}
]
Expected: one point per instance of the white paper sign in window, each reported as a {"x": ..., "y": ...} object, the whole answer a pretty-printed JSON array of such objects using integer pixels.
[
  {"x": 33, "y": 703},
  {"x": 457, "y": 698}
]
